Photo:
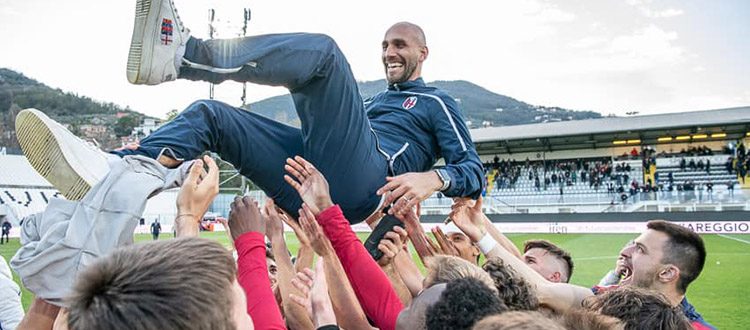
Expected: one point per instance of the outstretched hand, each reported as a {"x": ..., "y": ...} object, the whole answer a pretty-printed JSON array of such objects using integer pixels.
[
  {"x": 199, "y": 189},
  {"x": 245, "y": 216},
  {"x": 318, "y": 240},
  {"x": 315, "y": 299},
  {"x": 391, "y": 245},
  {"x": 468, "y": 218},
  {"x": 275, "y": 222},
  {"x": 309, "y": 183},
  {"x": 407, "y": 190}
]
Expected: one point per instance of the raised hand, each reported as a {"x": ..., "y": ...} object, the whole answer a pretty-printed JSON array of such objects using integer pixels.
[
  {"x": 391, "y": 245},
  {"x": 275, "y": 223},
  {"x": 445, "y": 246},
  {"x": 199, "y": 190},
  {"x": 316, "y": 300},
  {"x": 309, "y": 183},
  {"x": 318, "y": 240},
  {"x": 409, "y": 189},
  {"x": 470, "y": 219},
  {"x": 245, "y": 216}
]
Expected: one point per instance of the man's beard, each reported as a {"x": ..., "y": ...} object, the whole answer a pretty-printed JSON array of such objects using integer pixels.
[
  {"x": 646, "y": 281},
  {"x": 409, "y": 68}
]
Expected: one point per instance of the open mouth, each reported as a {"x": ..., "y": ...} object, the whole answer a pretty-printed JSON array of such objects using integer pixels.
[{"x": 626, "y": 274}]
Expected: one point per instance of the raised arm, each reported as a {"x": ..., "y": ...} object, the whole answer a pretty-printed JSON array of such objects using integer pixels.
[
  {"x": 248, "y": 228},
  {"x": 468, "y": 216},
  {"x": 557, "y": 296},
  {"x": 349, "y": 313},
  {"x": 296, "y": 317},
  {"x": 374, "y": 292},
  {"x": 196, "y": 194}
]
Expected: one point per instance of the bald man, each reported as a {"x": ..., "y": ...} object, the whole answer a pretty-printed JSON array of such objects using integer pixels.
[{"x": 375, "y": 153}]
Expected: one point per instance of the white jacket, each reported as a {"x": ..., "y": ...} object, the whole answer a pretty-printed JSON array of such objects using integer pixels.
[{"x": 11, "y": 311}]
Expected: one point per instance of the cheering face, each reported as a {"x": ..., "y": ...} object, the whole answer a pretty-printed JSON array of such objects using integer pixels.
[
  {"x": 640, "y": 261},
  {"x": 403, "y": 54},
  {"x": 466, "y": 249}
]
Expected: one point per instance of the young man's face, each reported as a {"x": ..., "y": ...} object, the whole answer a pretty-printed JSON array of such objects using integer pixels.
[
  {"x": 466, "y": 249},
  {"x": 547, "y": 265},
  {"x": 642, "y": 259},
  {"x": 272, "y": 269},
  {"x": 403, "y": 54}
]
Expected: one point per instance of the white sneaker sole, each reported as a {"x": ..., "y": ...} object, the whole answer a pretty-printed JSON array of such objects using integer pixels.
[
  {"x": 43, "y": 150},
  {"x": 141, "y": 44}
]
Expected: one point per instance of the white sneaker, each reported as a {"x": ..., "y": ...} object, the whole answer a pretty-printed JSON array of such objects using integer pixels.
[
  {"x": 158, "y": 43},
  {"x": 72, "y": 165}
]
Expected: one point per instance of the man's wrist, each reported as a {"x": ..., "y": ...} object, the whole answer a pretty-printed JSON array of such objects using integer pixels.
[{"x": 443, "y": 178}]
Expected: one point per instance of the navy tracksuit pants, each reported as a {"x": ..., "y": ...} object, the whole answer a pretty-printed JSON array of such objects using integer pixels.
[{"x": 335, "y": 133}]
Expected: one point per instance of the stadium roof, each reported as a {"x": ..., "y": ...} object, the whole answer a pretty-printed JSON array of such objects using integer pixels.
[
  {"x": 597, "y": 133},
  {"x": 16, "y": 171}
]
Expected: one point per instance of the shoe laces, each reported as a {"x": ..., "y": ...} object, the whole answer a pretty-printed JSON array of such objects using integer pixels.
[{"x": 177, "y": 17}]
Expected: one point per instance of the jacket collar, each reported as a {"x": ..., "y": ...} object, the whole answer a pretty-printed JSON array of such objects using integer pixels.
[{"x": 406, "y": 85}]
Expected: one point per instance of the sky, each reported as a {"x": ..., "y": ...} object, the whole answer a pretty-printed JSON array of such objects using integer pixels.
[{"x": 609, "y": 56}]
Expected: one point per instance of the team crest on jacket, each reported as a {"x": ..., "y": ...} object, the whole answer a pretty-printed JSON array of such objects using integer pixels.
[{"x": 409, "y": 103}]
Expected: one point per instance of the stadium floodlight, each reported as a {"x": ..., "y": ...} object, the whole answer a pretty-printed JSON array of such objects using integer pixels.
[
  {"x": 618, "y": 142},
  {"x": 700, "y": 136},
  {"x": 634, "y": 141},
  {"x": 718, "y": 135},
  {"x": 664, "y": 139},
  {"x": 682, "y": 138}
]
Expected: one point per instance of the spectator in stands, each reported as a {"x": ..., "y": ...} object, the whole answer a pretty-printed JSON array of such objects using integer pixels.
[
  {"x": 155, "y": 229},
  {"x": 6, "y": 226},
  {"x": 549, "y": 260},
  {"x": 199, "y": 274}
]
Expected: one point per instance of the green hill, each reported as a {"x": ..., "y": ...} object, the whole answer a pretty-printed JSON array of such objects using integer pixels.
[
  {"x": 79, "y": 113},
  {"x": 480, "y": 107}
]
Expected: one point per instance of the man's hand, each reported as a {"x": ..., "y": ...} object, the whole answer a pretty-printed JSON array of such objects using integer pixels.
[
  {"x": 310, "y": 184},
  {"x": 391, "y": 244},
  {"x": 445, "y": 246},
  {"x": 245, "y": 217},
  {"x": 198, "y": 190},
  {"x": 318, "y": 241},
  {"x": 469, "y": 219},
  {"x": 316, "y": 299},
  {"x": 409, "y": 189},
  {"x": 275, "y": 223}
]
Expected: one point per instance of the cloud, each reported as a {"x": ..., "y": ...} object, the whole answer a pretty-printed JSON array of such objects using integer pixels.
[{"x": 644, "y": 6}]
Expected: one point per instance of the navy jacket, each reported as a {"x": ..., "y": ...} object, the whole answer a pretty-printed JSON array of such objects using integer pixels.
[{"x": 416, "y": 125}]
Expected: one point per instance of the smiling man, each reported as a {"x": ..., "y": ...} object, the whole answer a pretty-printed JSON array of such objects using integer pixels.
[{"x": 373, "y": 152}]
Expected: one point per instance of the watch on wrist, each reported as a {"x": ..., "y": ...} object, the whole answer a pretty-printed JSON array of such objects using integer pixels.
[{"x": 445, "y": 178}]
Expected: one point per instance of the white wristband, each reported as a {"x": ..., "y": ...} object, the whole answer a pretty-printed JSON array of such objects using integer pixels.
[{"x": 487, "y": 243}]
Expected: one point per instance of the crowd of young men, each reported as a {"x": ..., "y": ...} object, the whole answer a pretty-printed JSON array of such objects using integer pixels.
[{"x": 351, "y": 161}]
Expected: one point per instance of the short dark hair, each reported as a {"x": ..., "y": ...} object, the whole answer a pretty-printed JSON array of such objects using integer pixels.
[
  {"x": 464, "y": 302},
  {"x": 639, "y": 309},
  {"x": 526, "y": 320},
  {"x": 554, "y": 250},
  {"x": 685, "y": 249},
  {"x": 138, "y": 287},
  {"x": 512, "y": 289}
]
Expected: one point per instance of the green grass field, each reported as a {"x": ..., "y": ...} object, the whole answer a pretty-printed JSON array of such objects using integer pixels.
[{"x": 721, "y": 293}]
